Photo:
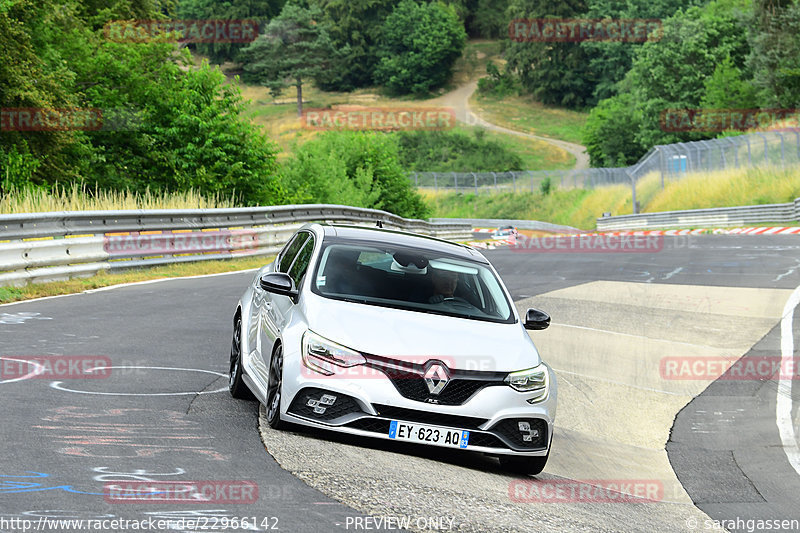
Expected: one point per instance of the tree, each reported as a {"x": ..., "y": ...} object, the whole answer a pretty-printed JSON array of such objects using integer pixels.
[
  {"x": 419, "y": 45},
  {"x": 698, "y": 62},
  {"x": 355, "y": 28},
  {"x": 295, "y": 47},
  {"x": 609, "y": 60},
  {"x": 554, "y": 73},
  {"x": 610, "y": 132},
  {"x": 775, "y": 56},
  {"x": 260, "y": 11},
  {"x": 725, "y": 89}
]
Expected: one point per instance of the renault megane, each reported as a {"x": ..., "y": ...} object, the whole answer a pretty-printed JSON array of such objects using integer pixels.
[{"x": 397, "y": 336}]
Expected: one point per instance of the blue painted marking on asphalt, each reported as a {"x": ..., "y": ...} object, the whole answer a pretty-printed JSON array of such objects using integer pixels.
[{"x": 8, "y": 486}]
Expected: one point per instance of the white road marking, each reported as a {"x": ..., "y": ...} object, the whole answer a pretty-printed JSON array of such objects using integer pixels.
[
  {"x": 39, "y": 369},
  {"x": 783, "y": 408},
  {"x": 667, "y": 276},
  {"x": 630, "y": 335},
  {"x": 649, "y": 389},
  {"x": 57, "y": 384},
  {"x": 130, "y": 284},
  {"x": 20, "y": 318}
]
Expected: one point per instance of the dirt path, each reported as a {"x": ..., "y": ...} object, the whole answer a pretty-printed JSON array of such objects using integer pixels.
[{"x": 458, "y": 99}]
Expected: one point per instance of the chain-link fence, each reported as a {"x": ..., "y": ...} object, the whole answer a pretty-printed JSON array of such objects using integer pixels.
[{"x": 671, "y": 161}]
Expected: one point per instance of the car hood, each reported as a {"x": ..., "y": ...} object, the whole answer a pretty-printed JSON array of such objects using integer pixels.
[{"x": 418, "y": 337}]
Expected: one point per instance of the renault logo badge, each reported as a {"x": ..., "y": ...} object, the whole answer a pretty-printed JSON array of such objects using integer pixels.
[{"x": 436, "y": 377}]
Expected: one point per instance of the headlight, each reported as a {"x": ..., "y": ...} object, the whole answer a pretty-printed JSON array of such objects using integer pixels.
[
  {"x": 322, "y": 355},
  {"x": 532, "y": 380}
]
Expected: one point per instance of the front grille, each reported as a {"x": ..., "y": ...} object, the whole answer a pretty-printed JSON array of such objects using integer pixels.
[
  {"x": 341, "y": 406},
  {"x": 408, "y": 379},
  {"x": 374, "y": 425},
  {"x": 425, "y": 417},
  {"x": 486, "y": 440},
  {"x": 509, "y": 430}
]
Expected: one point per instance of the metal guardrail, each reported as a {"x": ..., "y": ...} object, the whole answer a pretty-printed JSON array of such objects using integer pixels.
[
  {"x": 39, "y": 247},
  {"x": 500, "y": 222},
  {"x": 719, "y": 216}
]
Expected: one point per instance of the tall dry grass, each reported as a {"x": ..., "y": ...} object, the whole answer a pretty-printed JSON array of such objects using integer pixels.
[{"x": 82, "y": 198}]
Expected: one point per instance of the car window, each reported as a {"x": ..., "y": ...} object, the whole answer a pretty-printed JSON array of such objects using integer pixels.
[
  {"x": 411, "y": 279},
  {"x": 298, "y": 269},
  {"x": 291, "y": 251}
]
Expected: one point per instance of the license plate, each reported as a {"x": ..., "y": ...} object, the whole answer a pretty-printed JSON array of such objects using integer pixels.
[{"x": 438, "y": 436}]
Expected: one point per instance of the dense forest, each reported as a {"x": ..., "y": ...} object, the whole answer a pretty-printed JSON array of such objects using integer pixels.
[{"x": 171, "y": 123}]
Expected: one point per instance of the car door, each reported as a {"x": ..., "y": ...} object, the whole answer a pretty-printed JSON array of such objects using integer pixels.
[
  {"x": 272, "y": 307},
  {"x": 283, "y": 306}
]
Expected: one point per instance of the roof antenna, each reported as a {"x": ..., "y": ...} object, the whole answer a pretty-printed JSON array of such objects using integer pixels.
[{"x": 379, "y": 223}]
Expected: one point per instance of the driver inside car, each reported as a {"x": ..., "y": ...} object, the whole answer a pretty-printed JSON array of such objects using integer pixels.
[{"x": 444, "y": 285}]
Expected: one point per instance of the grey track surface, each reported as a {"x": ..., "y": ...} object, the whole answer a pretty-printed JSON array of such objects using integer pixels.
[
  {"x": 727, "y": 452},
  {"x": 74, "y": 438}
]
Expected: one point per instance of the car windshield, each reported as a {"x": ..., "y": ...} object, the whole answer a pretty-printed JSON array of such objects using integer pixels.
[{"x": 411, "y": 279}]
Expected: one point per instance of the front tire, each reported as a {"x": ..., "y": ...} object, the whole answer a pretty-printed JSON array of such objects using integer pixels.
[
  {"x": 236, "y": 385},
  {"x": 274, "y": 390},
  {"x": 530, "y": 466}
]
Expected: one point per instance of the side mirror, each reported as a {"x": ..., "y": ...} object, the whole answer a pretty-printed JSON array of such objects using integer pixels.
[
  {"x": 279, "y": 283},
  {"x": 535, "y": 319}
]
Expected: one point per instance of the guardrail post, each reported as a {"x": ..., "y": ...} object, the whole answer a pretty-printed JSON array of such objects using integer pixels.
[
  {"x": 435, "y": 182},
  {"x": 494, "y": 175},
  {"x": 455, "y": 181},
  {"x": 514, "y": 179},
  {"x": 474, "y": 177},
  {"x": 766, "y": 148}
]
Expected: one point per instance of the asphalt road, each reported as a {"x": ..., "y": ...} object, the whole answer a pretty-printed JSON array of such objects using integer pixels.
[{"x": 162, "y": 413}]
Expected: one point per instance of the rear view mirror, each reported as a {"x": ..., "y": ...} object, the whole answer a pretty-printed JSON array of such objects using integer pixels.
[
  {"x": 279, "y": 283},
  {"x": 535, "y": 319}
]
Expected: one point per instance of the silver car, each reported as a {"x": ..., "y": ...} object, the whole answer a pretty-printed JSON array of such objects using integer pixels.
[{"x": 396, "y": 336}]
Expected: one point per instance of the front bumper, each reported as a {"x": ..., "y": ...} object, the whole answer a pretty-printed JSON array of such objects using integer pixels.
[{"x": 495, "y": 415}]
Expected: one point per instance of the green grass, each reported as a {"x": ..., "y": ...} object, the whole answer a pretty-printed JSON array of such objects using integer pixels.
[
  {"x": 523, "y": 114},
  {"x": 105, "y": 279}
]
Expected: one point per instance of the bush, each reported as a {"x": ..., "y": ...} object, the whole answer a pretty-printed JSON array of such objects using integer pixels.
[
  {"x": 499, "y": 84},
  {"x": 361, "y": 169},
  {"x": 440, "y": 151}
]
